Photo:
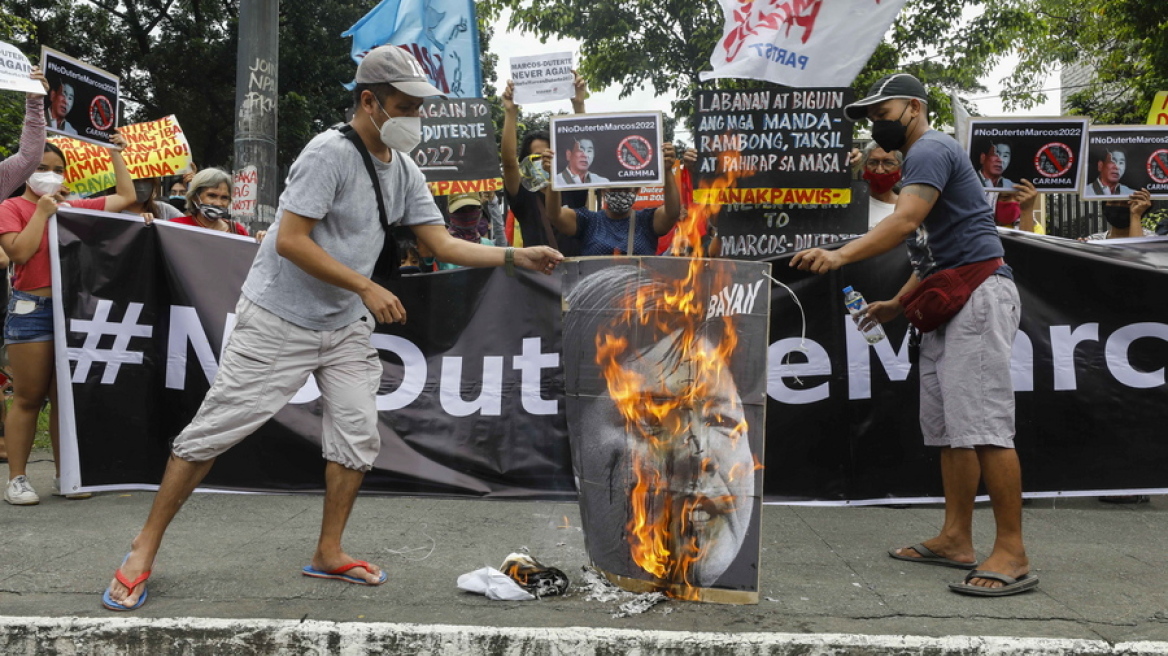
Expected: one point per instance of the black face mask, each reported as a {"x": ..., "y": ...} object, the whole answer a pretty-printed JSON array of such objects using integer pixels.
[
  {"x": 1118, "y": 216},
  {"x": 891, "y": 135}
]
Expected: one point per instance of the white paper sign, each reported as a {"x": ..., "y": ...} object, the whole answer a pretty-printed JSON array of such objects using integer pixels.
[
  {"x": 800, "y": 43},
  {"x": 540, "y": 78},
  {"x": 15, "y": 70}
]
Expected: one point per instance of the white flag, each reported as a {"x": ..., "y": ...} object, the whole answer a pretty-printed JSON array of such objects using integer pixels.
[{"x": 800, "y": 43}]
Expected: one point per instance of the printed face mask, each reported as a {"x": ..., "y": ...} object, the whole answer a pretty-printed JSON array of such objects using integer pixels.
[
  {"x": 533, "y": 177},
  {"x": 402, "y": 133},
  {"x": 213, "y": 213},
  {"x": 879, "y": 183},
  {"x": 45, "y": 183},
  {"x": 620, "y": 202}
]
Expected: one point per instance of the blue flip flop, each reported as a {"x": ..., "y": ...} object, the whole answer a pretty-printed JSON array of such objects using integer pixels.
[
  {"x": 339, "y": 573},
  {"x": 108, "y": 601}
]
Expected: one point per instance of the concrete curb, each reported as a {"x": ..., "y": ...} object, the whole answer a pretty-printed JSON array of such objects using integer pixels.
[{"x": 43, "y": 636}]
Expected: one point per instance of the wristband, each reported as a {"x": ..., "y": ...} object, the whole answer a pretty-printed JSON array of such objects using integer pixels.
[{"x": 509, "y": 261}]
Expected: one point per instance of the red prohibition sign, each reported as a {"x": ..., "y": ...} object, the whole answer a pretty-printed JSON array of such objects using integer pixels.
[
  {"x": 1158, "y": 166},
  {"x": 634, "y": 152},
  {"x": 1054, "y": 159},
  {"x": 101, "y": 113}
]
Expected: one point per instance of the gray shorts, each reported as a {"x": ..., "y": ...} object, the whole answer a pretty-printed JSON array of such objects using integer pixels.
[
  {"x": 267, "y": 360},
  {"x": 967, "y": 395}
]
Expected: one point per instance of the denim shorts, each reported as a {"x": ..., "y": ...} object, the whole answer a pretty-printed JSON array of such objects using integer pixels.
[{"x": 34, "y": 326}]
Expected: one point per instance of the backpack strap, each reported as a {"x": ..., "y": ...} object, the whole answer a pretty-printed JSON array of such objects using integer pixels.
[{"x": 388, "y": 261}]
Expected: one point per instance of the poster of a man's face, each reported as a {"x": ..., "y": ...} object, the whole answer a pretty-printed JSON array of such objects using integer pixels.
[
  {"x": 1125, "y": 159},
  {"x": 664, "y": 437},
  {"x": 607, "y": 150},
  {"x": 994, "y": 161},
  {"x": 1048, "y": 152},
  {"x": 83, "y": 100}
]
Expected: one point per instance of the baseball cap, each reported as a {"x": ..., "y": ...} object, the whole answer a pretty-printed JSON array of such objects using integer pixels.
[
  {"x": 896, "y": 85},
  {"x": 459, "y": 201},
  {"x": 396, "y": 66}
]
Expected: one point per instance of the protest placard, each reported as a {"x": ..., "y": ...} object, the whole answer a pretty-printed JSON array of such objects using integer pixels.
[
  {"x": 755, "y": 232},
  {"x": 773, "y": 146},
  {"x": 540, "y": 78},
  {"x": 607, "y": 150},
  {"x": 1124, "y": 159},
  {"x": 458, "y": 152},
  {"x": 15, "y": 70},
  {"x": 244, "y": 191},
  {"x": 83, "y": 99},
  {"x": 154, "y": 149},
  {"x": 1048, "y": 152}
]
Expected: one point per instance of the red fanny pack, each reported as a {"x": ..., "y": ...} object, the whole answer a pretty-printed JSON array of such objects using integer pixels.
[{"x": 942, "y": 295}]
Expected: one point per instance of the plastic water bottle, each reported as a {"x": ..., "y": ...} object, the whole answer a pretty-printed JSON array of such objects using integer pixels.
[{"x": 854, "y": 301}]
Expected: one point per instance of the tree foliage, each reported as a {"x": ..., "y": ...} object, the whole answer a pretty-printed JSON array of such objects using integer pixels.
[
  {"x": 665, "y": 44},
  {"x": 1123, "y": 42},
  {"x": 178, "y": 57}
]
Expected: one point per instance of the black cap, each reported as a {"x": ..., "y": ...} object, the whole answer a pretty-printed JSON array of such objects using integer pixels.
[{"x": 895, "y": 85}]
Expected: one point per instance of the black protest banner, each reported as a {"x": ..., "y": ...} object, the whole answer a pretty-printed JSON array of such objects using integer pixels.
[
  {"x": 773, "y": 146},
  {"x": 1048, "y": 152},
  {"x": 472, "y": 400},
  {"x": 1126, "y": 158},
  {"x": 756, "y": 232},
  {"x": 470, "y": 403},
  {"x": 83, "y": 99},
  {"x": 607, "y": 150},
  {"x": 458, "y": 152}
]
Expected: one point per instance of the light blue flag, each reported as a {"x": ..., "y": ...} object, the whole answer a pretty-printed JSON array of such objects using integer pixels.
[{"x": 442, "y": 34}]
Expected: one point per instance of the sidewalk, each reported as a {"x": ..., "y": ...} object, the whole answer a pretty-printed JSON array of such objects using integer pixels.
[{"x": 228, "y": 582}]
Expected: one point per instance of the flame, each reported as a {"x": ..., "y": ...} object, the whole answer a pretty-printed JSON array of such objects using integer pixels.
[{"x": 665, "y": 529}]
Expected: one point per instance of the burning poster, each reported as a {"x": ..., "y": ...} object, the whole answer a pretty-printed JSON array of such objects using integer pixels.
[{"x": 665, "y": 380}]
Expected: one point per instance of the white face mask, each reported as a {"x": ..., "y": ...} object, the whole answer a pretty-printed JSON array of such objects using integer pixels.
[
  {"x": 45, "y": 183},
  {"x": 402, "y": 133}
]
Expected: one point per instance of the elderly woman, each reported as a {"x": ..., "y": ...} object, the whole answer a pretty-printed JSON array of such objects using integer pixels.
[
  {"x": 881, "y": 170},
  {"x": 208, "y": 197}
]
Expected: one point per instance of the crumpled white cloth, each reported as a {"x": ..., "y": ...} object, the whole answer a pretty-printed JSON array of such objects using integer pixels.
[{"x": 494, "y": 584}]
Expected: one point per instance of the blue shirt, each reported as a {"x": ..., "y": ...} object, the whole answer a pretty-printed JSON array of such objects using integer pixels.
[
  {"x": 601, "y": 235},
  {"x": 960, "y": 228}
]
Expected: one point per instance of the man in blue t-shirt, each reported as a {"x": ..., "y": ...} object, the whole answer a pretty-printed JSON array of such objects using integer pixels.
[
  {"x": 606, "y": 232},
  {"x": 967, "y": 397}
]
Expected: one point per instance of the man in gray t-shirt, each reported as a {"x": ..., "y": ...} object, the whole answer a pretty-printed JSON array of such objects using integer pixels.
[
  {"x": 967, "y": 397},
  {"x": 309, "y": 306}
]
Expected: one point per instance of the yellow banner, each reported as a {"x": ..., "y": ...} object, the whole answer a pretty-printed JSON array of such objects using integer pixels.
[
  {"x": 767, "y": 196},
  {"x": 153, "y": 149},
  {"x": 445, "y": 188},
  {"x": 1159, "y": 112}
]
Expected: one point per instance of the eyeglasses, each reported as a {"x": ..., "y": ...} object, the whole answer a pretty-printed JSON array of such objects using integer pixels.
[{"x": 888, "y": 164}]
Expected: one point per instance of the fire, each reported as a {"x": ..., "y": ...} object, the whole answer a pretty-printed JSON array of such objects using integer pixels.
[{"x": 672, "y": 399}]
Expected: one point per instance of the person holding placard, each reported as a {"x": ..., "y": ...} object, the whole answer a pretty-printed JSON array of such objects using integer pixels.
[
  {"x": 523, "y": 193},
  {"x": 28, "y": 328},
  {"x": 966, "y": 393},
  {"x": 16, "y": 169},
  {"x": 606, "y": 232}
]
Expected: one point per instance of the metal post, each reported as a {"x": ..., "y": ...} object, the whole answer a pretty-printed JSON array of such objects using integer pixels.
[{"x": 256, "y": 182}]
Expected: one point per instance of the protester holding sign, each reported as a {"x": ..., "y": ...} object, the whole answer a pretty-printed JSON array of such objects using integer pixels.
[
  {"x": 607, "y": 232},
  {"x": 308, "y": 306},
  {"x": 523, "y": 192},
  {"x": 967, "y": 395},
  {"x": 28, "y": 328},
  {"x": 16, "y": 169}
]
